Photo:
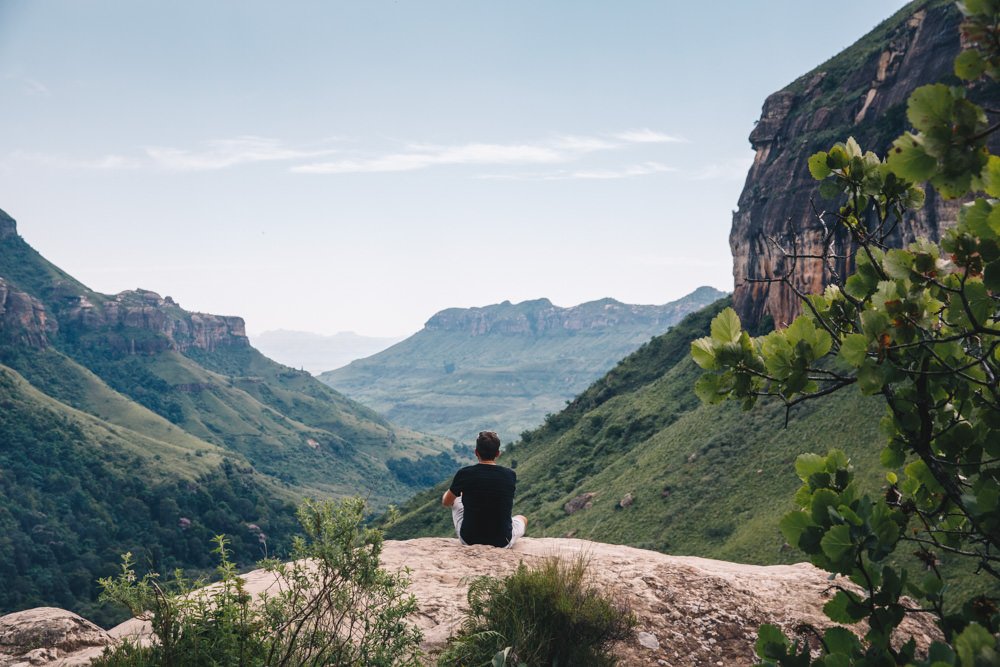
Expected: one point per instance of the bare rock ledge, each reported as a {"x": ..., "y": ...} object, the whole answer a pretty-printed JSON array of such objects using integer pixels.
[{"x": 690, "y": 611}]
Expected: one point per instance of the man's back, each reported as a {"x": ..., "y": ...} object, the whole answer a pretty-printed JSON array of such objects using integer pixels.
[{"x": 487, "y": 492}]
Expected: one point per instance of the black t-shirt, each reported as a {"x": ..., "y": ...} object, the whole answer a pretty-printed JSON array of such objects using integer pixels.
[{"x": 488, "y": 497}]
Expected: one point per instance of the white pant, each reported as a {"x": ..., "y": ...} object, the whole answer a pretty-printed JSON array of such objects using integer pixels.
[{"x": 517, "y": 526}]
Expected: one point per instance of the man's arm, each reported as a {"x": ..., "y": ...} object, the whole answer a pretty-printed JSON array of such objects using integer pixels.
[{"x": 448, "y": 499}]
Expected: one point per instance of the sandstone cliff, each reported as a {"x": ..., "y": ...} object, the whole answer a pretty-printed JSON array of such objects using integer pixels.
[
  {"x": 23, "y": 318},
  {"x": 690, "y": 611},
  {"x": 861, "y": 92}
]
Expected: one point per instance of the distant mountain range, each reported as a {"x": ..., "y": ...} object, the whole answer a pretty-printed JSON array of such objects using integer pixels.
[
  {"x": 130, "y": 424},
  {"x": 316, "y": 353},
  {"x": 503, "y": 367}
]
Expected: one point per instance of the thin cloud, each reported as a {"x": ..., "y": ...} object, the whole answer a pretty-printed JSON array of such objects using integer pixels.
[
  {"x": 29, "y": 85},
  {"x": 57, "y": 161},
  {"x": 560, "y": 149},
  {"x": 224, "y": 153},
  {"x": 643, "y": 169},
  {"x": 423, "y": 156},
  {"x": 648, "y": 136}
]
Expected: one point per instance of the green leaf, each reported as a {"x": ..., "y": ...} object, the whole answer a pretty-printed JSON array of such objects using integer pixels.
[
  {"x": 793, "y": 524},
  {"x": 807, "y": 465},
  {"x": 871, "y": 377},
  {"x": 991, "y": 176},
  {"x": 930, "y": 106},
  {"x": 837, "y": 542},
  {"x": 898, "y": 263},
  {"x": 726, "y": 327},
  {"x": 822, "y": 501},
  {"x": 976, "y": 643},
  {"x": 980, "y": 302},
  {"x": 914, "y": 198},
  {"x": 707, "y": 388},
  {"x": 853, "y": 149},
  {"x": 770, "y": 636},
  {"x": 841, "y": 640},
  {"x": 853, "y": 349},
  {"x": 842, "y": 609},
  {"x": 909, "y": 160},
  {"x": 892, "y": 458},
  {"x": 969, "y": 65},
  {"x": 703, "y": 353},
  {"x": 838, "y": 157},
  {"x": 974, "y": 217},
  {"x": 818, "y": 167},
  {"x": 830, "y": 189}
]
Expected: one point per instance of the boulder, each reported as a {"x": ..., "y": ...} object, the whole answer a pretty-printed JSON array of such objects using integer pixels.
[{"x": 49, "y": 636}]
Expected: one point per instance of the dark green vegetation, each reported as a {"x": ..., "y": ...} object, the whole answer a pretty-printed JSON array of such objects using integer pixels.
[
  {"x": 129, "y": 424},
  {"x": 918, "y": 328},
  {"x": 336, "y": 606},
  {"x": 505, "y": 366},
  {"x": 546, "y": 616}
]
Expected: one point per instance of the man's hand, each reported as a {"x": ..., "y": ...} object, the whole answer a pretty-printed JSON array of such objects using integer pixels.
[{"x": 448, "y": 499}]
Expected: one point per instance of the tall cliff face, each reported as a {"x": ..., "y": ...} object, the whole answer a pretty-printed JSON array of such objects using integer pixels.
[
  {"x": 861, "y": 92},
  {"x": 23, "y": 318}
]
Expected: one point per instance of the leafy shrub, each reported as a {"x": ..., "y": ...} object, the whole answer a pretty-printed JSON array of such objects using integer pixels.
[
  {"x": 546, "y": 616},
  {"x": 333, "y": 605}
]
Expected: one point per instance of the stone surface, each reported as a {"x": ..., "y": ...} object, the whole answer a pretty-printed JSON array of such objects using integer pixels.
[
  {"x": 697, "y": 611},
  {"x": 584, "y": 501},
  {"x": 837, "y": 100},
  {"x": 23, "y": 318},
  {"x": 49, "y": 636}
]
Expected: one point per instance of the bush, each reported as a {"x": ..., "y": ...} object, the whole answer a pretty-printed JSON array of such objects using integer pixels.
[
  {"x": 333, "y": 605},
  {"x": 547, "y": 616}
]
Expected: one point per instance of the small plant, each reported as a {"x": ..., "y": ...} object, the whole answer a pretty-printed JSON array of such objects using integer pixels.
[
  {"x": 551, "y": 615},
  {"x": 332, "y": 605}
]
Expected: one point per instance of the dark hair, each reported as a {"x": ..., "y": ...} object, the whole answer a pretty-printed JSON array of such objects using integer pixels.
[{"x": 488, "y": 445}]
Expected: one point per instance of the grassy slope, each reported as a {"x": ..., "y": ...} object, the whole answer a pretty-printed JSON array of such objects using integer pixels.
[{"x": 709, "y": 481}]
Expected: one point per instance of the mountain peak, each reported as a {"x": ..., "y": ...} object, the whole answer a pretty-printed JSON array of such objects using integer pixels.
[{"x": 7, "y": 225}]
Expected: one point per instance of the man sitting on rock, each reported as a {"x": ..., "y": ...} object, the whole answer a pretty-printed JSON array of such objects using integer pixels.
[{"x": 481, "y": 498}]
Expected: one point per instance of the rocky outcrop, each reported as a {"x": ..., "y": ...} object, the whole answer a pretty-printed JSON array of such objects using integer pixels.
[
  {"x": 541, "y": 316},
  {"x": 689, "y": 611},
  {"x": 862, "y": 93},
  {"x": 49, "y": 636},
  {"x": 23, "y": 318},
  {"x": 118, "y": 318}
]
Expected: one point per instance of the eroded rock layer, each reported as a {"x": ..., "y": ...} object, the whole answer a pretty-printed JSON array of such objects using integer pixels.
[{"x": 862, "y": 92}]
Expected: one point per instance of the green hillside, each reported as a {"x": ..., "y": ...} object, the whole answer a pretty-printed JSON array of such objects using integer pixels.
[
  {"x": 708, "y": 481},
  {"x": 79, "y": 491},
  {"x": 112, "y": 354},
  {"x": 130, "y": 424},
  {"x": 503, "y": 366}
]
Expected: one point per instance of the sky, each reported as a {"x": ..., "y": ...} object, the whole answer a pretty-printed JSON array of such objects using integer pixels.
[{"x": 331, "y": 166}]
